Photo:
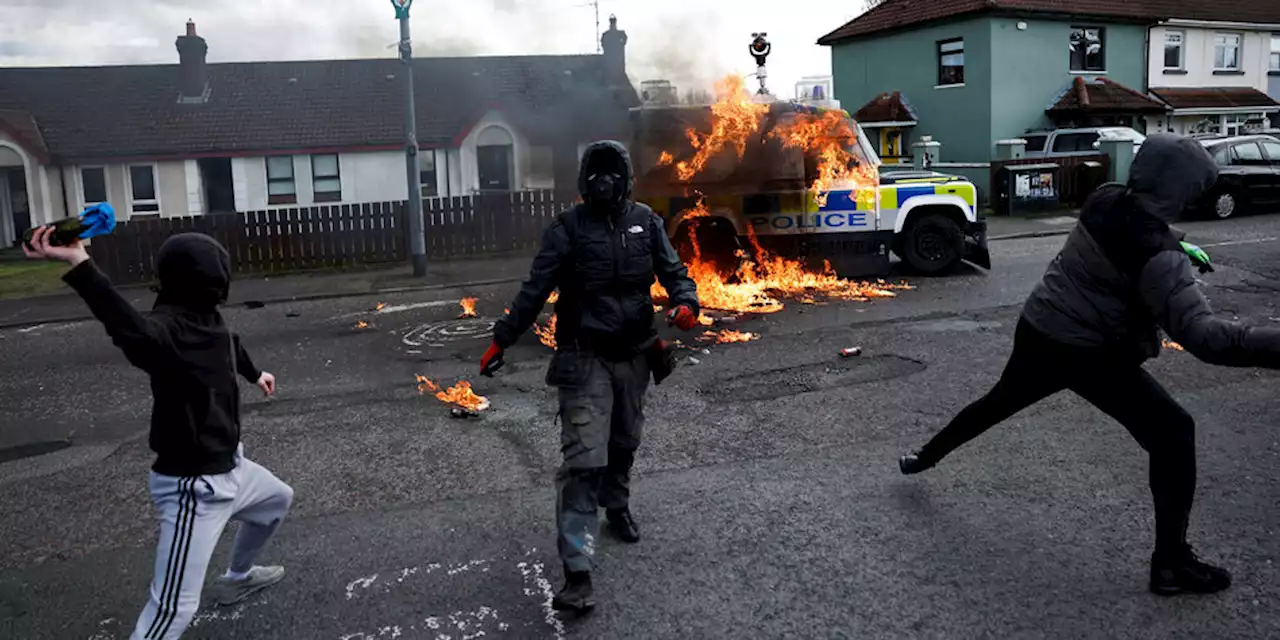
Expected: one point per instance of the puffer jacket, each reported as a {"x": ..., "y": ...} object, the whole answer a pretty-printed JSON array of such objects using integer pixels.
[
  {"x": 603, "y": 260},
  {"x": 1122, "y": 273}
]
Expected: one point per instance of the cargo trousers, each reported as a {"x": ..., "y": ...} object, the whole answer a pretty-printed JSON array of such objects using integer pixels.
[{"x": 601, "y": 419}]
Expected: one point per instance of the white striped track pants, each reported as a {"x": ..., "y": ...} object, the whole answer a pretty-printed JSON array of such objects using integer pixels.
[{"x": 193, "y": 512}]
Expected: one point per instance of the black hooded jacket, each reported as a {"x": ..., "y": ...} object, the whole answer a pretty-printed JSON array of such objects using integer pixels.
[
  {"x": 191, "y": 356},
  {"x": 1123, "y": 274},
  {"x": 603, "y": 256}
]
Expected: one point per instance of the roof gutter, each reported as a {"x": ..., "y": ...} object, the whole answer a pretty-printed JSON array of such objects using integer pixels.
[
  {"x": 1213, "y": 24},
  {"x": 1213, "y": 111}
]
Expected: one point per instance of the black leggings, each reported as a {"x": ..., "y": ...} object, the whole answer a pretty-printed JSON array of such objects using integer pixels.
[{"x": 1040, "y": 367}]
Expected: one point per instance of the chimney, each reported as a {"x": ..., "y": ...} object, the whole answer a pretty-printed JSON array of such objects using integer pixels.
[
  {"x": 613, "y": 45},
  {"x": 193, "y": 79}
]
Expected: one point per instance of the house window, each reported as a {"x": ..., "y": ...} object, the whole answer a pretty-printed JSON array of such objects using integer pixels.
[
  {"x": 93, "y": 185},
  {"x": 427, "y": 176},
  {"x": 1173, "y": 49},
  {"x": 1226, "y": 52},
  {"x": 142, "y": 190},
  {"x": 325, "y": 178},
  {"x": 280, "y": 186},
  {"x": 1087, "y": 49},
  {"x": 1275, "y": 53},
  {"x": 951, "y": 62}
]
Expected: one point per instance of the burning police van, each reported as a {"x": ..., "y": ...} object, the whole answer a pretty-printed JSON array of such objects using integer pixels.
[{"x": 798, "y": 180}]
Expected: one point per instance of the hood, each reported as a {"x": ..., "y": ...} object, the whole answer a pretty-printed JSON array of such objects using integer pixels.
[
  {"x": 1169, "y": 174},
  {"x": 194, "y": 272},
  {"x": 606, "y": 153}
]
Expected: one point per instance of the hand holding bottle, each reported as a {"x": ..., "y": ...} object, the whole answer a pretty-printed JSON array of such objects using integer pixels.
[{"x": 39, "y": 248}]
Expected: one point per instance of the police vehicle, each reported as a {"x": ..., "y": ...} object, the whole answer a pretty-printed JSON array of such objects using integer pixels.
[{"x": 929, "y": 220}]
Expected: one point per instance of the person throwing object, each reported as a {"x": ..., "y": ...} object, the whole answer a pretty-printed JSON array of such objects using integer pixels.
[
  {"x": 200, "y": 479},
  {"x": 603, "y": 256},
  {"x": 1093, "y": 320}
]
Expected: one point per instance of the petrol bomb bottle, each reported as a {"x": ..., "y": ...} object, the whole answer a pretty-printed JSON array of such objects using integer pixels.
[{"x": 99, "y": 219}]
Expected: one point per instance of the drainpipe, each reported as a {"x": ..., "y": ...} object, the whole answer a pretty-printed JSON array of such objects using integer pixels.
[
  {"x": 1146, "y": 69},
  {"x": 66, "y": 197}
]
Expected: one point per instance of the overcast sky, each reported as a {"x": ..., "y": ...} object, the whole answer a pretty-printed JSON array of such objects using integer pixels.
[{"x": 685, "y": 41}]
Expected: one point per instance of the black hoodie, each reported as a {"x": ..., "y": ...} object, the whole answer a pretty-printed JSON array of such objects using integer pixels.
[
  {"x": 1122, "y": 273},
  {"x": 191, "y": 356},
  {"x": 603, "y": 256}
]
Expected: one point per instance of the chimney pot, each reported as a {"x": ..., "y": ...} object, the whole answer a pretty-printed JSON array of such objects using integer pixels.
[
  {"x": 191, "y": 27},
  {"x": 613, "y": 45}
]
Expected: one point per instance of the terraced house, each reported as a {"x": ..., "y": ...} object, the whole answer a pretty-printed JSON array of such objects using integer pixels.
[
  {"x": 970, "y": 73},
  {"x": 195, "y": 138}
]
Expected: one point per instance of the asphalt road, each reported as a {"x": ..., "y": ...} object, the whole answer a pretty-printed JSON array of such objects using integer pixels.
[{"x": 767, "y": 488}]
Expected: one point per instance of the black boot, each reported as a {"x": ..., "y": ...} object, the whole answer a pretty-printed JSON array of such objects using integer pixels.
[
  {"x": 1182, "y": 572},
  {"x": 622, "y": 525},
  {"x": 576, "y": 595},
  {"x": 915, "y": 462}
]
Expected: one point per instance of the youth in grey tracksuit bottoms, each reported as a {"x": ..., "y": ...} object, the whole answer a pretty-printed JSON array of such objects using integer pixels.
[
  {"x": 200, "y": 479},
  {"x": 1092, "y": 322}
]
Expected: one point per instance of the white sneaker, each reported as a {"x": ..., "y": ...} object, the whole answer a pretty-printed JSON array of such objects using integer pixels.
[{"x": 228, "y": 591}]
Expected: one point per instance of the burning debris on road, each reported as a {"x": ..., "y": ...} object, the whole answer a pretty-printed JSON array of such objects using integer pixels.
[
  {"x": 1169, "y": 344},
  {"x": 361, "y": 324},
  {"x": 380, "y": 307},
  {"x": 459, "y": 395},
  {"x": 729, "y": 335},
  {"x": 468, "y": 307}
]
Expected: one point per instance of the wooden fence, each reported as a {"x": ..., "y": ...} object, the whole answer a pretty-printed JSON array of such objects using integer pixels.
[
  {"x": 1076, "y": 177},
  {"x": 293, "y": 239}
]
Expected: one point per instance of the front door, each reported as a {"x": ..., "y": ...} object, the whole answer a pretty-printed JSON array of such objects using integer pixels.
[
  {"x": 493, "y": 164},
  {"x": 219, "y": 190}
]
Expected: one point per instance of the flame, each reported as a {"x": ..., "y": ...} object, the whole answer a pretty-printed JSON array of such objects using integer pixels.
[
  {"x": 380, "y": 307},
  {"x": 665, "y": 159},
  {"x": 553, "y": 298},
  {"x": 734, "y": 117},
  {"x": 705, "y": 320},
  {"x": 468, "y": 307},
  {"x": 760, "y": 282},
  {"x": 361, "y": 324},
  {"x": 1169, "y": 344},
  {"x": 459, "y": 395},
  {"x": 825, "y": 135},
  {"x": 729, "y": 335},
  {"x": 547, "y": 334}
]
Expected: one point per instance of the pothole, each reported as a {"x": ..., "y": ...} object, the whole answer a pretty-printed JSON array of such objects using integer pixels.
[
  {"x": 31, "y": 450},
  {"x": 807, "y": 378}
]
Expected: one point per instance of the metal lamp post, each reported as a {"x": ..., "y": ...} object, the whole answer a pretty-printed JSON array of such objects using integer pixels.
[{"x": 417, "y": 239}]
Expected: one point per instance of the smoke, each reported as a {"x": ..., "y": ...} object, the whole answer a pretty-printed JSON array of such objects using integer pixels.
[{"x": 669, "y": 49}]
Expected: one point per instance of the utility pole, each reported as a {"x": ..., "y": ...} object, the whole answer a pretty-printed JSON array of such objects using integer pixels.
[{"x": 417, "y": 238}]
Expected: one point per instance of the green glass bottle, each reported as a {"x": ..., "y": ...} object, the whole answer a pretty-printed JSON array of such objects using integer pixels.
[{"x": 65, "y": 231}]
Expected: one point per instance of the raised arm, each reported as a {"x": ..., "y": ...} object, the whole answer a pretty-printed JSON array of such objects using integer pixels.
[{"x": 143, "y": 341}]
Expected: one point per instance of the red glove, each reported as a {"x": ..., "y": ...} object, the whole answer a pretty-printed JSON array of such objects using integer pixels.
[
  {"x": 682, "y": 317},
  {"x": 491, "y": 360}
]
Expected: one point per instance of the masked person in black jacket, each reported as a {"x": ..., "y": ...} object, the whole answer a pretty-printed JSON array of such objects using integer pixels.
[
  {"x": 603, "y": 256},
  {"x": 200, "y": 479},
  {"x": 1093, "y": 320}
]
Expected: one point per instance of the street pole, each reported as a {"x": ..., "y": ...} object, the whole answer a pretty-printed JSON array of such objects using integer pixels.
[{"x": 413, "y": 181}]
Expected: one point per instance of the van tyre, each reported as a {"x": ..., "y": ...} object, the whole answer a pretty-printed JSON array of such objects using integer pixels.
[{"x": 932, "y": 244}]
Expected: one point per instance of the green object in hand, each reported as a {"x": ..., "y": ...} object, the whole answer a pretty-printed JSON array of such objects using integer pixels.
[{"x": 1198, "y": 257}]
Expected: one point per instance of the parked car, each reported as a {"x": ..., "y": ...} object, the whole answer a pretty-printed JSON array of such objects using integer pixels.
[
  {"x": 1061, "y": 143},
  {"x": 1248, "y": 175}
]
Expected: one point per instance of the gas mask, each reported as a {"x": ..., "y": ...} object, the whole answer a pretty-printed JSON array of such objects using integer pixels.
[{"x": 604, "y": 188}]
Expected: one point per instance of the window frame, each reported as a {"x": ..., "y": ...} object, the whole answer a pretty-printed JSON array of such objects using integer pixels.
[
  {"x": 316, "y": 193},
  {"x": 1182, "y": 49},
  {"x": 1274, "y": 57},
  {"x": 940, "y": 54},
  {"x": 106, "y": 185},
  {"x": 424, "y": 170},
  {"x": 147, "y": 203},
  {"x": 1102, "y": 50},
  {"x": 1235, "y": 154},
  {"x": 1239, "y": 38},
  {"x": 282, "y": 198}
]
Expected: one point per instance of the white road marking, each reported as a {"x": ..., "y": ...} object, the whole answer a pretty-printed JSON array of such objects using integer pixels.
[
  {"x": 1235, "y": 242},
  {"x": 397, "y": 308},
  {"x": 534, "y": 579}
]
